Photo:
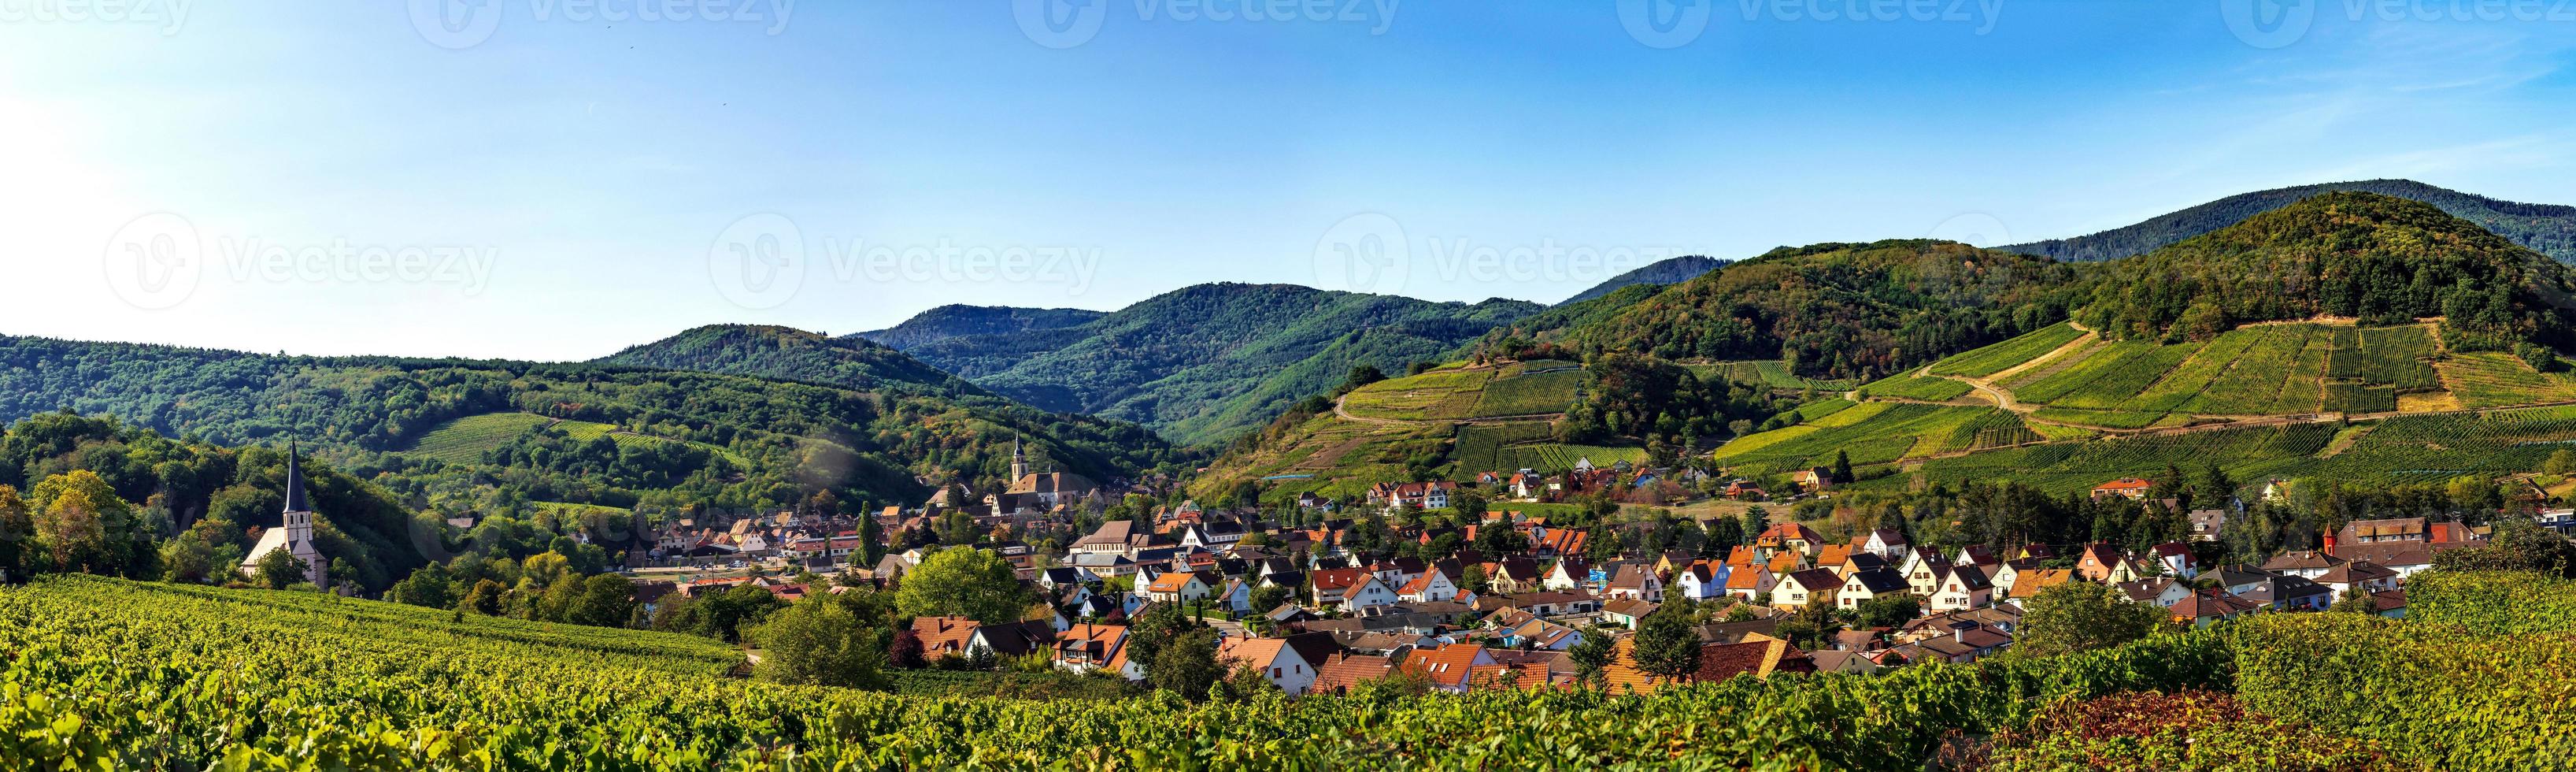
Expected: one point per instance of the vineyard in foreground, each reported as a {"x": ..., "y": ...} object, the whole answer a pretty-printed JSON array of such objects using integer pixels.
[{"x": 103, "y": 674}]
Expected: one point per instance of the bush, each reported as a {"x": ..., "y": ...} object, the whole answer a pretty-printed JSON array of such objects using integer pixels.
[{"x": 2435, "y": 695}]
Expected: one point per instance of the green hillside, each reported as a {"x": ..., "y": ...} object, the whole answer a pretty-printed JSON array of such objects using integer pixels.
[
  {"x": 786, "y": 354},
  {"x": 1205, "y": 363},
  {"x": 2545, "y": 228},
  {"x": 629, "y": 435}
]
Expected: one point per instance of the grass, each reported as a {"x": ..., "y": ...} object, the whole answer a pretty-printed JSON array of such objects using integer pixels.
[
  {"x": 1535, "y": 394},
  {"x": 2004, "y": 356},
  {"x": 1926, "y": 388},
  {"x": 464, "y": 440}
]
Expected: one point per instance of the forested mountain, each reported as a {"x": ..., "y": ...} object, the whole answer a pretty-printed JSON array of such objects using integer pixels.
[
  {"x": 788, "y": 354},
  {"x": 482, "y": 434},
  {"x": 959, "y": 321},
  {"x": 1203, "y": 363},
  {"x": 2382, "y": 260},
  {"x": 2545, "y": 228},
  {"x": 1844, "y": 310},
  {"x": 1673, "y": 271}
]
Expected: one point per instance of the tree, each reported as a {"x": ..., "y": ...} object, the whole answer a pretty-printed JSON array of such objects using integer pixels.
[
  {"x": 2519, "y": 544},
  {"x": 1269, "y": 597},
  {"x": 16, "y": 529},
  {"x": 1362, "y": 375},
  {"x": 607, "y": 600},
  {"x": 1473, "y": 579},
  {"x": 430, "y": 586},
  {"x": 280, "y": 569},
  {"x": 1842, "y": 466},
  {"x": 906, "y": 650},
  {"x": 972, "y": 583},
  {"x": 2561, "y": 462},
  {"x": 1890, "y": 610},
  {"x": 2082, "y": 616},
  {"x": 485, "y": 598},
  {"x": 187, "y": 560},
  {"x": 2356, "y": 601},
  {"x": 1187, "y": 665},
  {"x": 817, "y": 642},
  {"x": 1667, "y": 644},
  {"x": 1592, "y": 655}
]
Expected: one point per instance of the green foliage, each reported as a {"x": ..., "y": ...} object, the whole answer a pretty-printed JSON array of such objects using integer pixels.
[
  {"x": 1532, "y": 394},
  {"x": 1927, "y": 388},
  {"x": 2436, "y": 696},
  {"x": 2546, "y": 228},
  {"x": 2008, "y": 354},
  {"x": 2081, "y": 616},
  {"x": 958, "y": 581},
  {"x": 1667, "y": 642},
  {"x": 819, "y": 642}
]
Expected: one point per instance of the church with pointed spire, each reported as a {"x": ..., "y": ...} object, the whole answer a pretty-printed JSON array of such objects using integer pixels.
[{"x": 295, "y": 533}]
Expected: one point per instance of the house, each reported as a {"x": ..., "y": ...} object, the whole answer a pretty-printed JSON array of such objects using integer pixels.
[
  {"x": 1750, "y": 584},
  {"x": 2207, "y": 524},
  {"x": 1513, "y": 574},
  {"x": 2305, "y": 565},
  {"x": 1700, "y": 580},
  {"x": 1636, "y": 582},
  {"x": 2096, "y": 562},
  {"x": 943, "y": 636},
  {"x": 2130, "y": 488},
  {"x": 1865, "y": 585},
  {"x": 1799, "y": 587},
  {"x": 1084, "y": 648},
  {"x": 2281, "y": 592},
  {"x": 2404, "y": 557},
  {"x": 1964, "y": 642},
  {"x": 1542, "y": 635},
  {"x": 1235, "y": 597},
  {"x": 1627, "y": 611},
  {"x": 1431, "y": 587},
  {"x": 2206, "y": 608},
  {"x": 1965, "y": 588},
  {"x": 2386, "y": 530},
  {"x": 1350, "y": 589},
  {"x": 1923, "y": 571},
  {"x": 2010, "y": 571},
  {"x": 1759, "y": 656},
  {"x": 1179, "y": 587},
  {"x": 1273, "y": 658},
  {"x": 1447, "y": 667},
  {"x": 2028, "y": 584},
  {"x": 1813, "y": 479},
  {"x": 1342, "y": 672},
  {"x": 2159, "y": 591},
  {"x": 2175, "y": 559},
  {"x": 2357, "y": 576},
  {"x": 1569, "y": 574},
  {"x": 1791, "y": 536},
  {"x": 1885, "y": 543},
  {"x": 1016, "y": 639}
]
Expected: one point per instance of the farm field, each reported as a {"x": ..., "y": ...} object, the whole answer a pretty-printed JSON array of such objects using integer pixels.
[
  {"x": 1556, "y": 457},
  {"x": 1927, "y": 388},
  {"x": 464, "y": 440},
  {"x": 1549, "y": 392},
  {"x": 1480, "y": 447},
  {"x": 2004, "y": 356},
  {"x": 1821, "y": 408},
  {"x": 2069, "y": 467},
  {"x": 2105, "y": 376},
  {"x": 1432, "y": 396},
  {"x": 1767, "y": 372}
]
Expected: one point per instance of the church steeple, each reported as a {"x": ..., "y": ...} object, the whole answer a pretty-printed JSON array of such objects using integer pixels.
[
  {"x": 294, "y": 482},
  {"x": 1019, "y": 462}
]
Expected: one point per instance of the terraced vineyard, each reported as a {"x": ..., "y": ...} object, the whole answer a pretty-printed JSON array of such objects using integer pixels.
[
  {"x": 2248, "y": 453},
  {"x": 2104, "y": 377},
  {"x": 2008, "y": 354},
  {"x": 2489, "y": 379},
  {"x": 1767, "y": 372},
  {"x": 1432, "y": 396},
  {"x": 1537, "y": 393},
  {"x": 2434, "y": 447},
  {"x": 464, "y": 440},
  {"x": 1481, "y": 447},
  {"x": 1926, "y": 388},
  {"x": 1875, "y": 433}
]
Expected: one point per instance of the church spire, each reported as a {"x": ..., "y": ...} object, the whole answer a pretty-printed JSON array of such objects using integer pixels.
[{"x": 294, "y": 482}]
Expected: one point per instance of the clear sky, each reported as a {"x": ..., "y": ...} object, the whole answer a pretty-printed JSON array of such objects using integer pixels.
[{"x": 557, "y": 179}]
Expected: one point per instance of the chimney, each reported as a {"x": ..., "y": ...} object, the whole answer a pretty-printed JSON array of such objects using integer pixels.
[
  {"x": 1959, "y": 631},
  {"x": 2330, "y": 543}
]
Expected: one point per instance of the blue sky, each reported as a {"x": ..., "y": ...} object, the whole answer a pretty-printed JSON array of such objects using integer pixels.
[{"x": 547, "y": 182}]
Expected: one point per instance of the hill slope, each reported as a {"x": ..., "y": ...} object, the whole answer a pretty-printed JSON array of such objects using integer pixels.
[
  {"x": 1203, "y": 363},
  {"x": 787, "y": 354},
  {"x": 2545, "y": 228},
  {"x": 1673, "y": 271},
  {"x": 597, "y": 434},
  {"x": 960, "y": 321}
]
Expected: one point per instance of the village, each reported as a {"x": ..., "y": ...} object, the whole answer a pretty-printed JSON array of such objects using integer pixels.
[{"x": 1511, "y": 599}]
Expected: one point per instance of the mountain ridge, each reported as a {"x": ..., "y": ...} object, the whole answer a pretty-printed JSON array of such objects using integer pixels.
[{"x": 2546, "y": 228}]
